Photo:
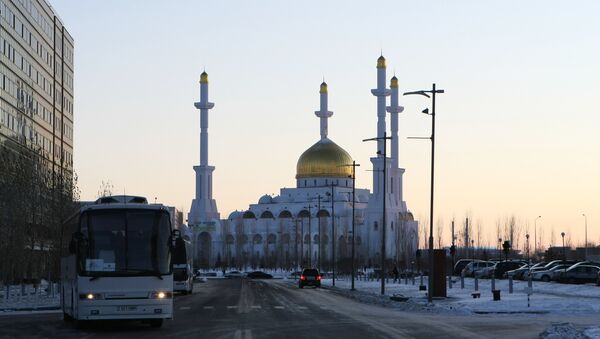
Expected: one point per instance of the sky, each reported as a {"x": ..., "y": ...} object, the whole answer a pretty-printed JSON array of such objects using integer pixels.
[{"x": 516, "y": 129}]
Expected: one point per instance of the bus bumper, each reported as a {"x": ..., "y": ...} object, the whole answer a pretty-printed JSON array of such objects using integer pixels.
[{"x": 126, "y": 309}]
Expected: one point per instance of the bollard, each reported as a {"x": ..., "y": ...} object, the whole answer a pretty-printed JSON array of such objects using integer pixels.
[
  {"x": 413, "y": 280},
  {"x": 7, "y": 293},
  {"x": 493, "y": 282},
  {"x": 462, "y": 280},
  {"x": 510, "y": 285},
  {"x": 476, "y": 284},
  {"x": 36, "y": 292},
  {"x": 449, "y": 281}
]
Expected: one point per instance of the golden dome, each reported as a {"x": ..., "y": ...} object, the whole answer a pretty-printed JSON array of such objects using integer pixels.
[
  {"x": 204, "y": 78},
  {"x": 394, "y": 82},
  {"x": 323, "y": 88},
  {"x": 381, "y": 62},
  {"x": 324, "y": 159}
]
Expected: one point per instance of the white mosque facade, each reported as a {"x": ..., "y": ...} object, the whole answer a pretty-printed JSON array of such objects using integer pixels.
[{"x": 311, "y": 225}]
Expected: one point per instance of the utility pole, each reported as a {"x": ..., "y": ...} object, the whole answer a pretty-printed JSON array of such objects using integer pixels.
[
  {"x": 333, "y": 233},
  {"x": 433, "y": 92},
  {"x": 320, "y": 244},
  {"x": 383, "y": 228},
  {"x": 353, "y": 177}
]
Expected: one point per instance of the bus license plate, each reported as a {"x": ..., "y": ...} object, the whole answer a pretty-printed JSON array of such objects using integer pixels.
[{"x": 126, "y": 308}]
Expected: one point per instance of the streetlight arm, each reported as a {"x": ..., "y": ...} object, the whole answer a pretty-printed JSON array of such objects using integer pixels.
[{"x": 423, "y": 93}]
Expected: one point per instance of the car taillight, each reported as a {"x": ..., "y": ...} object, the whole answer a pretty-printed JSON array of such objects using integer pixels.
[
  {"x": 302, "y": 277},
  {"x": 318, "y": 277}
]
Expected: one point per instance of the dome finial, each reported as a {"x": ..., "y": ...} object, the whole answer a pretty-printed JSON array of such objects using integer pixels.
[
  {"x": 323, "y": 88},
  {"x": 204, "y": 78},
  {"x": 394, "y": 82},
  {"x": 381, "y": 62}
]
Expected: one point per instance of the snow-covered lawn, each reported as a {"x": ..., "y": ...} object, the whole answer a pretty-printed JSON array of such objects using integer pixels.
[
  {"x": 546, "y": 297},
  {"x": 28, "y": 298}
]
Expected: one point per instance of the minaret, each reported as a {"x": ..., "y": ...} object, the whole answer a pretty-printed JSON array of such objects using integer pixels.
[
  {"x": 380, "y": 92},
  {"x": 323, "y": 113},
  {"x": 394, "y": 109},
  {"x": 204, "y": 207}
]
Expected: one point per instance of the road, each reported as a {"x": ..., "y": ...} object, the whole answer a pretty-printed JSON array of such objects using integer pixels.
[{"x": 244, "y": 309}]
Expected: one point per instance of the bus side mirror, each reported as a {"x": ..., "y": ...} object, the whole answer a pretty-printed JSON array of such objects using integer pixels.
[
  {"x": 175, "y": 234},
  {"x": 76, "y": 239}
]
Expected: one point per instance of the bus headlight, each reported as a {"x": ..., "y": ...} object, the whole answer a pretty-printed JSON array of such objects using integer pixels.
[
  {"x": 91, "y": 296},
  {"x": 161, "y": 295}
]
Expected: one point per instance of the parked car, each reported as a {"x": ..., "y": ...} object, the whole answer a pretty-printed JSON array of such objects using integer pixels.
[
  {"x": 548, "y": 266},
  {"x": 549, "y": 275},
  {"x": 485, "y": 272},
  {"x": 233, "y": 275},
  {"x": 458, "y": 267},
  {"x": 579, "y": 274},
  {"x": 505, "y": 266},
  {"x": 517, "y": 273},
  {"x": 310, "y": 277},
  {"x": 474, "y": 266},
  {"x": 259, "y": 275}
]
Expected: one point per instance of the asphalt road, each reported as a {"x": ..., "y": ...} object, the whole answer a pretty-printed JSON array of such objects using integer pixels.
[{"x": 242, "y": 308}]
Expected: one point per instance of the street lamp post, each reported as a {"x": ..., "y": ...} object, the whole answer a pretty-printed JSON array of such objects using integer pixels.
[
  {"x": 586, "y": 242},
  {"x": 332, "y": 233},
  {"x": 319, "y": 225},
  {"x": 535, "y": 234},
  {"x": 384, "y": 138},
  {"x": 562, "y": 234},
  {"x": 527, "y": 237},
  {"x": 309, "y": 236},
  {"x": 433, "y": 92},
  {"x": 301, "y": 263},
  {"x": 500, "y": 248},
  {"x": 353, "y": 177}
]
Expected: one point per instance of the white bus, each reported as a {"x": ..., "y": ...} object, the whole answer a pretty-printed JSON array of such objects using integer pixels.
[
  {"x": 183, "y": 266},
  {"x": 119, "y": 262}
]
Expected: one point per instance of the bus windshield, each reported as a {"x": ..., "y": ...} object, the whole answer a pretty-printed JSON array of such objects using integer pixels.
[{"x": 125, "y": 242}]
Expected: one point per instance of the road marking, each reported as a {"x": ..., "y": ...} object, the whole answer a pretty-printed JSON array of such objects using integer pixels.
[
  {"x": 303, "y": 307},
  {"x": 256, "y": 306},
  {"x": 279, "y": 307},
  {"x": 323, "y": 307},
  {"x": 247, "y": 334},
  {"x": 230, "y": 307},
  {"x": 208, "y": 307},
  {"x": 184, "y": 308}
]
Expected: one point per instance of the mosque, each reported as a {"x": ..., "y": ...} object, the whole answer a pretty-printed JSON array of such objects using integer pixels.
[{"x": 311, "y": 225}]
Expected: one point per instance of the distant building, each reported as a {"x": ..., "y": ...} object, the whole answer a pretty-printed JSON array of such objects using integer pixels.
[
  {"x": 36, "y": 81},
  {"x": 309, "y": 224},
  {"x": 176, "y": 217}
]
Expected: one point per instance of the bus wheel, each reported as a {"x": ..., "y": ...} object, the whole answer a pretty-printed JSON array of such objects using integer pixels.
[{"x": 156, "y": 323}]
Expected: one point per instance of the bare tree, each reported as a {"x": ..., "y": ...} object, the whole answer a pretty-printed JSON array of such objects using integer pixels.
[
  {"x": 439, "y": 228},
  {"x": 106, "y": 189},
  {"x": 34, "y": 202}
]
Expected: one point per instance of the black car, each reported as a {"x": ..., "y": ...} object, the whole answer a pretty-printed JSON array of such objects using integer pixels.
[
  {"x": 310, "y": 277},
  {"x": 505, "y": 266},
  {"x": 259, "y": 275}
]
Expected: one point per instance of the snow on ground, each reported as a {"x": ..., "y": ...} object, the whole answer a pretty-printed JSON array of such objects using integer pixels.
[
  {"x": 546, "y": 298},
  {"x": 592, "y": 332},
  {"x": 28, "y": 298}
]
